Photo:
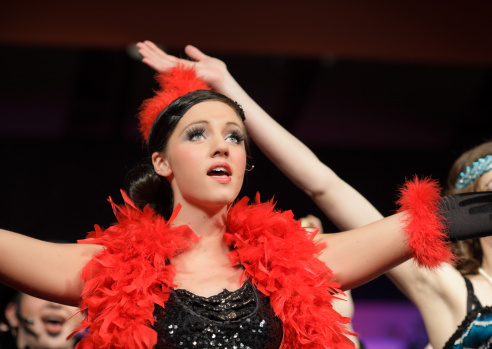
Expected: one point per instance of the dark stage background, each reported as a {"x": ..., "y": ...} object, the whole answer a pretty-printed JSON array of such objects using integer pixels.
[{"x": 377, "y": 103}]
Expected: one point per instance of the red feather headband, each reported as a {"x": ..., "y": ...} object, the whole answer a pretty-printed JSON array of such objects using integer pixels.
[{"x": 174, "y": 83}]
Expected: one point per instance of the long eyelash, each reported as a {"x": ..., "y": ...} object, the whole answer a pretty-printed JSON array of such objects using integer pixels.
[
  {"x": 194, "y": 131},
  {"x": 239, "y": 135}
]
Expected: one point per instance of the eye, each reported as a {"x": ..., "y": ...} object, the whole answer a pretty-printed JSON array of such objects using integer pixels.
[
  {"x": 235, "y": 137},
  {"x": 195, "y": 134}
]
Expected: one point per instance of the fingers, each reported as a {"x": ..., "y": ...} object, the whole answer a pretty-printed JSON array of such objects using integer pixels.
[
  {"x": 208, "y": 68},
  {"x": 194, "y": 53},
  {"x": 148, "y": 49},
  {"x": 151, "y": 45},
  {"x": 155, "y": 57},
  {"x": 151, "y": 64},
  {"x": 156, "y": 52},
  {"x": 313, "y": 221}
]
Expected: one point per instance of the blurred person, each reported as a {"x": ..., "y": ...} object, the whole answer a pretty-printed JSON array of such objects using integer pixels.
[
  {"x": 344, "y": 305},
  {"x": 34, "y": 323}
]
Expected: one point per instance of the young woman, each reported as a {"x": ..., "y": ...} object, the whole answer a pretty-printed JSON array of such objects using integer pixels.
[
  {"x": 455, "y": 302},
  {"x": 185, "y": 268},
  {"x": 471, "y": 172},
  {"x": 441, "y": 295}
]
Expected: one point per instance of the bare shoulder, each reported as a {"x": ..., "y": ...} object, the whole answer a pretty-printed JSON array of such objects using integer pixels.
[
  {"x": 75, "y": 252},
  {"x": 482, "y": 288},
  {"x": 88, "y": 249}
]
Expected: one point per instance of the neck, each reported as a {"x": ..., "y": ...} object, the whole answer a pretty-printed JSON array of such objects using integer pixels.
[
  {"x": 210, "y": 225},
  {"x": 205, "y": 222}
]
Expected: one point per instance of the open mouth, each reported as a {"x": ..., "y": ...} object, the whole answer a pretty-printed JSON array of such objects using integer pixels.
[
  {"x": 53, "y": 324},
  {"x": 219, "y": 172}
]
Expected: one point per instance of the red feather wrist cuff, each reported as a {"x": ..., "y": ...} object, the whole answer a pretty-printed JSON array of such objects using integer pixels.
[{"x": 425, "y": 228}]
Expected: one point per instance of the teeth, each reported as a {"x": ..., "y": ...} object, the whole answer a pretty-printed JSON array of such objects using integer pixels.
[{"x": 220, "y": 171}]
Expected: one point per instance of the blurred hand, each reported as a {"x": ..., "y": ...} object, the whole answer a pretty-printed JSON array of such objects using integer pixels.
[{"x": 312, "y": 222}]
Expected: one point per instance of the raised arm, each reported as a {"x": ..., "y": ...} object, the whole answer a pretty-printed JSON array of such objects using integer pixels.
[
  {"x": 359, "y": 255},
  {"x": 46, "y": 270}
]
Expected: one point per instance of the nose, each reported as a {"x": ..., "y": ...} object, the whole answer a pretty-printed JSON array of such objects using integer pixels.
[{"x": 220, "y": 148}]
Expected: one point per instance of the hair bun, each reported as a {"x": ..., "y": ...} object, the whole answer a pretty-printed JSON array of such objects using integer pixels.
[{"x": 146, "y": 187}]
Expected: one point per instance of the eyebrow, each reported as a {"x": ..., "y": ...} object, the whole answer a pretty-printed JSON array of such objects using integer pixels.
[{"x": 207, "y": 122}]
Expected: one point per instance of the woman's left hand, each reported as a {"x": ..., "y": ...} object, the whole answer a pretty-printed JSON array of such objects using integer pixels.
[
  {"x": 157, "y": 59},
  {"x": 210, "y": 69}
]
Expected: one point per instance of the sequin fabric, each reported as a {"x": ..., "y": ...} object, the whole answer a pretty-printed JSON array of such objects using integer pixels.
[
  {"x": 230, "y": 320},
  {"x": 476, "y": 329}
]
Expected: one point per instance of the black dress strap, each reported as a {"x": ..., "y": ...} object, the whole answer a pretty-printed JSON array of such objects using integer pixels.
[{"x": 472, "y": 301}]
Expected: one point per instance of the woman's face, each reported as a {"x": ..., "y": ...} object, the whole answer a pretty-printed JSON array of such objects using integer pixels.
[
  {"x": 485, "y": 182},
  {"x": 49, "y": 323},
  {"x": 205, "y": 157}
]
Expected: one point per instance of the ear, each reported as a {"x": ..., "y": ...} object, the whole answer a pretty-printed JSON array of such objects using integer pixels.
[
  {"x": 10, "y": 315},
  {"x": 161, "y": 164}
]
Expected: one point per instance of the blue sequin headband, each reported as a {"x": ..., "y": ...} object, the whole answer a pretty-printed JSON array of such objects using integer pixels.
[{"x": 477, "y": 169}]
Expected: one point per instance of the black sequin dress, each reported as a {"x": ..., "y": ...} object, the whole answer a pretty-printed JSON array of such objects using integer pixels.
[{"x": 229, "y": 320}]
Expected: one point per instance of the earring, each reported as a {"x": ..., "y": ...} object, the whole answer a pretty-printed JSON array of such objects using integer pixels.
[{"x": 250, "y": 169}]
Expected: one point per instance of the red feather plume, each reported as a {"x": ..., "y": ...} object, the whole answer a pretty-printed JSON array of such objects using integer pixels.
[{"x": 174, "y": 83}]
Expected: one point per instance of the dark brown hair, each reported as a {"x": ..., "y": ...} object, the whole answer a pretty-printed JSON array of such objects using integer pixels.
[{"x": 469, "y": 251}]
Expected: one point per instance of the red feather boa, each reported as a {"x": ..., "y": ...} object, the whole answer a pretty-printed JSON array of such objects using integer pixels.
[
  {"x": 129, "y": 276},
  {"x": 123, "y": 282}
]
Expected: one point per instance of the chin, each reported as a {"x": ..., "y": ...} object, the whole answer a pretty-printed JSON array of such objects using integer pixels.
[
  {"x": 224, "y": 196},
  {"x": 210, "y": 199},
  {"x": 221, "y": 200},
  {"x": 224, "y": 201},
  {"x": 55, "y": 343}
]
